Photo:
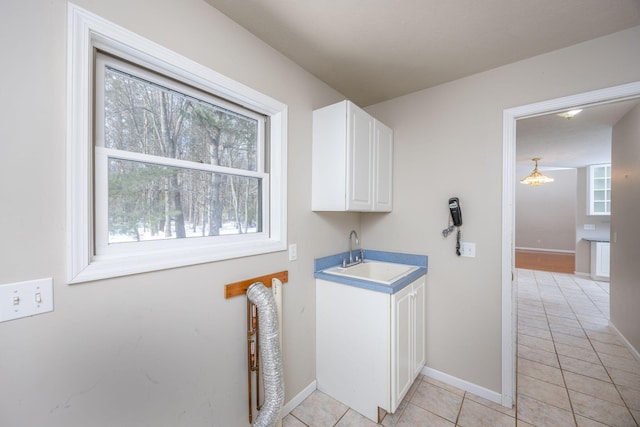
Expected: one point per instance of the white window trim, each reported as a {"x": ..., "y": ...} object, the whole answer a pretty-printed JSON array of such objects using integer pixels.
[{"x": 86, "y": 30}]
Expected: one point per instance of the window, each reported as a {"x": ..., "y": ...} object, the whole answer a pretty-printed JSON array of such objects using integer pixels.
[
  {"x": 599, "y": 189},
  {"x": 170, "y": 163}
]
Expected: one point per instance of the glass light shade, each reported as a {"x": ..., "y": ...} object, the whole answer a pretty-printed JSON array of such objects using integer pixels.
[
  {"x": 569, "y": 114},
  {"x": 535, "y": 178}
]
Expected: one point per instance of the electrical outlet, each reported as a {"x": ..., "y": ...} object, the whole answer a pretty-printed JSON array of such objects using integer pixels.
[
  {"x": 23, "y": 299},
  {"x": 468, "y": 249}
]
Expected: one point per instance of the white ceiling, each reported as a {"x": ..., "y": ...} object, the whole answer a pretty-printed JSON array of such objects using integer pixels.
[
  {"x": 562, "y": 143},
  {"x": 374, "y": 50}
]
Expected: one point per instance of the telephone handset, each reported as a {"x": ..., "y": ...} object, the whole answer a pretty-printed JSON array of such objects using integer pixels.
[
  {"x": 456, "y": 213},
  {"x": 456, "y": 217}
]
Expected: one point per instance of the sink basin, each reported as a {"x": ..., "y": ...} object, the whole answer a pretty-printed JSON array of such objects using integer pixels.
[{"x": 375, "y": 271}]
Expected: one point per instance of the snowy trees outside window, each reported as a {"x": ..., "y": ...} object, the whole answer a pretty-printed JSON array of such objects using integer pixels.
[
  {"x": 169, "y": 162},
  {"x": 179, "y": 162}
]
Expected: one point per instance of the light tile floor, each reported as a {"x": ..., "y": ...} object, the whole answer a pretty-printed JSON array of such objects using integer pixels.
[{"x": 572, "y": 370}]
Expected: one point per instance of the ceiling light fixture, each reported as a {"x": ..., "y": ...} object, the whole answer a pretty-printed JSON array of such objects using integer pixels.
[
  {"x": 535, "y": 178},
  {"x": 569, "y": 114}
]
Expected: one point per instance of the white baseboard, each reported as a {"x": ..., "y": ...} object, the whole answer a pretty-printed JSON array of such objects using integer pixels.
[
  {"x": 462, "y": 384},
  {"x": 429, "y": 372},
  {"x": 631, "y": 348},
  {"x": 298, "y": 398},
  {"x": 559, "y": 251}
]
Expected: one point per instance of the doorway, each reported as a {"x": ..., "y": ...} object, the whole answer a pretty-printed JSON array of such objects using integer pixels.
[
  {"x": 510, "y": 116},
  {"x": 556, "y": 222}
]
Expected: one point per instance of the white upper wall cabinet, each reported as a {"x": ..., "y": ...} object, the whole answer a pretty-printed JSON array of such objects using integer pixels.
[
  {"x": 352, "y": 160},
  {"x": 599, "y": 190}
]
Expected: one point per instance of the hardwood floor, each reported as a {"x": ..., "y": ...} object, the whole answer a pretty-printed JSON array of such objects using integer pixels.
[{"x": 546, "y": 261}]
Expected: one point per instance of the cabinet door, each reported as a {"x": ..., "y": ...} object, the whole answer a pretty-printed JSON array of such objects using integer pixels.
[
  {"x": 603, "y": 259},
  {"x": 402, "y": 346},
  {"x": 359, "y": 159},
  {"x": 419, "y": 351},
  {"x": 383, "y": 168}
]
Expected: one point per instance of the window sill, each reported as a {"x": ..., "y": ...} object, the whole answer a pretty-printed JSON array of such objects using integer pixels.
[{"x": 110, "y": 266}]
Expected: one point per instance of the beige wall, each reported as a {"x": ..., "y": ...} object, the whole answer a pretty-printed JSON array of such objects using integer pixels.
[
  {"x": 625, "y": 230},
  {"x": 448, "y": 142},
  {"x": 562, "y": 226},
  {"x": 157, "y": 349},
  {"x": 165, "y": 348},
  {"x": 546, "y": 214}
]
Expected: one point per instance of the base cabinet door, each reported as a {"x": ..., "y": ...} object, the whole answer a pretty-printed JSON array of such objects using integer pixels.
[
  {"x": 600, "y": 260},
  {"x": 407, "y": 339},
  {"x": 402, "y": 369}
]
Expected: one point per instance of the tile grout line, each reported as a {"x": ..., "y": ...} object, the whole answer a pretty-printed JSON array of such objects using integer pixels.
[
  {"x": 464, "y": 396},
  {"x": 564, "y": 381},
  {"x": 405, "y": 405},
  {"x": 598, "y": 354},
  {"x": 540, "y": 299},
  {"x": 534, "y": 296}
]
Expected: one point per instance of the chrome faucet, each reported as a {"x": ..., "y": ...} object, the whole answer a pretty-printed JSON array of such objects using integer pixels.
[{"x": 358, "y": 258}]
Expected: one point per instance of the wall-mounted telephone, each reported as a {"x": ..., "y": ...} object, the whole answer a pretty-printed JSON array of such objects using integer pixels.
[
  {"x": 456, "y": 218},
  {"x": 456, "y": 213}
]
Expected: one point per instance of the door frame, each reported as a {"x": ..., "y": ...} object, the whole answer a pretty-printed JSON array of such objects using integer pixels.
[{"x": 510, "y": 116}]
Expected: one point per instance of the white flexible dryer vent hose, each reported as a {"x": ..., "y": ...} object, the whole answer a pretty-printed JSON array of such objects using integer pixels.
[{"x": 270, "y": 355}]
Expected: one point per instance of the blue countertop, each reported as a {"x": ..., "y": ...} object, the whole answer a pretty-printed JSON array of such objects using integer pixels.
[{"x": 321, "y": 264}]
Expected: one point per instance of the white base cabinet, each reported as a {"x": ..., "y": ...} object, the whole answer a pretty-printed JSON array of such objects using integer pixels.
[
  {"x": 352, "y": 158},
  {"x": 370, "y": 346},
  {"x": 600, "y": 260},
  {"x": 408, "y": 338}
]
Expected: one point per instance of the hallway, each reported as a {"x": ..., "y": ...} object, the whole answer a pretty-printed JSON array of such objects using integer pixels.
[{"x": 572, "y": 366}]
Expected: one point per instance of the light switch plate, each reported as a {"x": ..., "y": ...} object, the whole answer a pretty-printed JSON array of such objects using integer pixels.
[
  {"x": 293, "y": 252},
  {"x": 23, "y": 299}
]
